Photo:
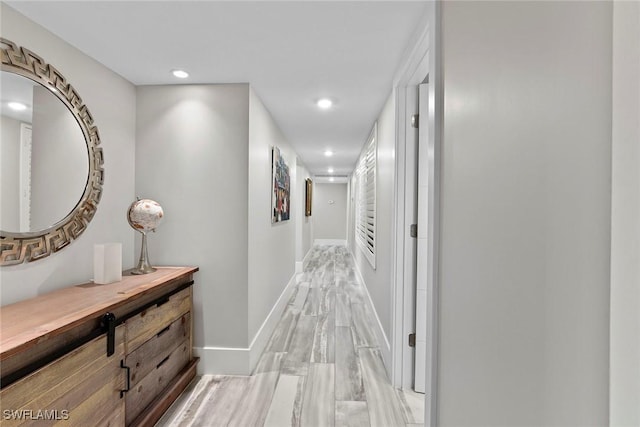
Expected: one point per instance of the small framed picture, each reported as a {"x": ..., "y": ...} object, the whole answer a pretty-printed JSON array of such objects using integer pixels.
[
  {"x": 307, "y": 199},
  {"x": 281, "y": 185}
]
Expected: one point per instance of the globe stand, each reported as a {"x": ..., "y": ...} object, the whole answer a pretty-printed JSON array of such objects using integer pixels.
[
  {"x": 144, "y": 216},
  {"x": 144, "y": 266}
]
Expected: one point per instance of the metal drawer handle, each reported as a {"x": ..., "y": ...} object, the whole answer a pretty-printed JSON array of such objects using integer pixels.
[
  {"x": 163, "y": 331},
  {"x": 162, "y": 361},
  {"x": 122, "y": 365}
]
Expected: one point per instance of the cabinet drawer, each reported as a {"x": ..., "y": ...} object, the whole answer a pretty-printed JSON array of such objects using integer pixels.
[
  {"x": 146, "y": 325},
  {"x": 145, "y": 358},
  {"x": 79, "y": 389},
  {"x": 156, "y": 381}
]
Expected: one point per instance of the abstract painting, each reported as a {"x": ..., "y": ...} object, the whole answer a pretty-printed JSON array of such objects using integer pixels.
[{"x": 281, "y": 186}]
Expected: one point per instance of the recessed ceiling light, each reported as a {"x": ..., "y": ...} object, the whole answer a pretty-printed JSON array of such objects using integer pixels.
[
  {"x": 324, "y": 103},
  {"x": 331, "y": 179},
  {"x": 17, "y": 106},
  {"x": 330, "y": 170},
  {"x": 181, "y": 74},
  {"x": 328, "y": 153}
]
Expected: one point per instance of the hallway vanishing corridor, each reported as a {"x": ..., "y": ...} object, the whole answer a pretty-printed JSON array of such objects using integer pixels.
[{"x": 321, "y": 367}]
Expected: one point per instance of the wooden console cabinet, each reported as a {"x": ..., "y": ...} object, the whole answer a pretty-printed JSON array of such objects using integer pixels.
[{"x": 98, "y": 355}]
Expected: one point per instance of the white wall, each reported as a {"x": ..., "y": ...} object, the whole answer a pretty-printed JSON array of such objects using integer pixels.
[
  {"x": 330, "y": 219},
  {"x": 204, "y": 153},
  {"x": 525, "y": 214},
  {"x": 625, "y": 221},
  {"x": 192, "y": 157},
  {"x": 111, "y": 100},
  {"x": 271, "y": 246},
  {"x": 379, "y": 281},
  {"x": 10, "y": 169},
  {"x": 304, "y": 224},
  {"x": 56, "y": 139}
]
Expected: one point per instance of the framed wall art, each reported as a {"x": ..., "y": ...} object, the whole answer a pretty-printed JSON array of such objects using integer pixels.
[
  {"x": 307, "y": 197},
  {"x": 281, "y": 187}
]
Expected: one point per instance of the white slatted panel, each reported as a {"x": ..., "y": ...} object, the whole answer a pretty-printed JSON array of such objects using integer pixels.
[{"x": 365, "y": 197}]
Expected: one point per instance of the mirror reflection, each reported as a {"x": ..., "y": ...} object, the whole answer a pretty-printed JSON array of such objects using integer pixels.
[{"x": 44, "y": 162}]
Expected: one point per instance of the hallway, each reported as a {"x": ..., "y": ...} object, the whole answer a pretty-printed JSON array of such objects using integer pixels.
[{"x": 321, "y": 367}]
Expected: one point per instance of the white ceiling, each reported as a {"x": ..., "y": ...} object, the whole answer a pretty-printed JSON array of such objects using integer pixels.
[
  {"x": 16, "y": 88},
  {"x": 292, "y": 53}
]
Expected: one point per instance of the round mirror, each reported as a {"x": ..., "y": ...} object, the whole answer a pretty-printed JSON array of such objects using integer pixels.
[
  {"x": 37, "y": 132},
  {"x": 50, "y": 162}
]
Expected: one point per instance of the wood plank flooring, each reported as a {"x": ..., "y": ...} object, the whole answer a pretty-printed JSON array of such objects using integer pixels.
[{"x": 321, "y": 367}]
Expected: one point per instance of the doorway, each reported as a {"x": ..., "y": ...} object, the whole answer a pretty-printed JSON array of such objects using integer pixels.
[
  {"x": 421, "y": 240},
  {"x": 418, "y": 93},
  {"x": 415, "y": 239},
  {"x": 418, "y": 238},
  {"x": 414, "y": 351},
  {"x": 408, "y": 356}
]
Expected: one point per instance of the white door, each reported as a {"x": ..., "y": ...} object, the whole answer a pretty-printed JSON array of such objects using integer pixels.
[
  {"x": 25, "y": 177},
  {"x": 422, "y": 252}
]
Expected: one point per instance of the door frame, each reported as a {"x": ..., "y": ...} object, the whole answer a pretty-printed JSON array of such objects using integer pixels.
[
  {"x": 406, "y": 183},
  {"x": 422, "y": 59},
  {"x": 412, "y": 74}
]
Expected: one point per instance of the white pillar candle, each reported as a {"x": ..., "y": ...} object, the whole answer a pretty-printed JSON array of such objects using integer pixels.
[{"x": 107, "y": 263}]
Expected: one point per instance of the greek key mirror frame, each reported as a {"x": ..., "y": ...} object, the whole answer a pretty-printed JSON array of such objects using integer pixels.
[{"x": 20, "y": 247}]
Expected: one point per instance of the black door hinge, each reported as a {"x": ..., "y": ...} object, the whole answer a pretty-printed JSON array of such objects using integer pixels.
[
  {"x": 413, "y": 230},
  {"x": 412, "y": 340}
]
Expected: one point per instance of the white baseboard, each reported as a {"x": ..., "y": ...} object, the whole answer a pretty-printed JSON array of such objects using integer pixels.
[
  {"x": 223, "y": 361},
  {"x": 383, "y": 341},
  {"x": 337, "y": 242},
  {"x": 242, "y": 361},
  {"x": 261, "y": 338},
  {"x": 300, "y": 264}
]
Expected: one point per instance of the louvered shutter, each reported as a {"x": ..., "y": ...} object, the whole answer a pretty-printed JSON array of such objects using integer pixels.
[{"x": 366, "y": 199}]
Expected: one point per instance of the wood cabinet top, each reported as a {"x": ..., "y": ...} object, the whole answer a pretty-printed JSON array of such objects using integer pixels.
[{"x": 27, "y": 322}]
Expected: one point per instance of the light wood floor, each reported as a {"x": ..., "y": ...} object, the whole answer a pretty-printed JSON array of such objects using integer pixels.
[{"x": 321, "y": 367}]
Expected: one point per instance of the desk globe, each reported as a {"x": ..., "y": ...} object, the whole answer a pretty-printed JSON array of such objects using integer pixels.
[{"x": 144, "y": 215}]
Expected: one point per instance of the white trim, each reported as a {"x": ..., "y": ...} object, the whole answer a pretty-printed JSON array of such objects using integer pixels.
[
  {"x": 222, "y": 360},
  {"x": 413, "y": 55},
  {"x": 305, "y": 260},
  {"x": 436, "y": 125},
  {"x": 406, "y": 246},
  {"x": 337, "y": 242},
  {"x": 238, "y": 360},
  {"x": 397, "y": 308},
  {"x": 383, "y": 341},
  {"x": 428, "y": 42},
  {"x": 413, "y": 69},
  {"x": 300, "y": 264},
  {"x": 261, "y": 338}
]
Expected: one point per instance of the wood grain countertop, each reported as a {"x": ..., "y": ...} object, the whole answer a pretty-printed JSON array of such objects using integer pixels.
[{"x": 25, "y": 323}]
